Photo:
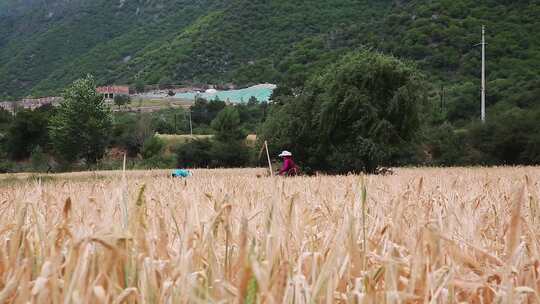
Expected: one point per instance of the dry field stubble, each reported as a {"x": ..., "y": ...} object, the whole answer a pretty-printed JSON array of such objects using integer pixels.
[{"x": 418, "y": 236}]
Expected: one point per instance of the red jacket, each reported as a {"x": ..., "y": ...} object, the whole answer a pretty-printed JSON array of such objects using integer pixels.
[{"x": 289, "y": 167}]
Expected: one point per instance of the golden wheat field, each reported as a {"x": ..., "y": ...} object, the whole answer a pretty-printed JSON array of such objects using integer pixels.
[{"x": 235, "y": 236}]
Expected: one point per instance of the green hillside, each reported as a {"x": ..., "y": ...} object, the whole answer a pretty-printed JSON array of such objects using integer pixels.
[
  {"x": 249, "y": 41},
  {"x": 44, "y": 47}
]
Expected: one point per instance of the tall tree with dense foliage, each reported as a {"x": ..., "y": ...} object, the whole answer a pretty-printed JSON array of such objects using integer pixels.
[
  {"x": 27, "y": 130},
  {"x": 82, "y": 125},
  {"x": 228, "y": 148},
  {"x": 121, "y": 100},
  {"x": 203, "y": 111},
  {"x": 227, "y": 125},
  {"x": 352, "y": 118}
]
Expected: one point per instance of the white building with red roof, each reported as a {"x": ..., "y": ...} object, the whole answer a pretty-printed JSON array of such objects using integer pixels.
[{"x": 110, "y": 91}]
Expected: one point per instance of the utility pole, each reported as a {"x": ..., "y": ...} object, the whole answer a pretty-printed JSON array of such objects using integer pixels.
[
  {"x": 190, "y": 124},
  {"x": 483, "y": 74},
  {"x": 441, "y": 95}
]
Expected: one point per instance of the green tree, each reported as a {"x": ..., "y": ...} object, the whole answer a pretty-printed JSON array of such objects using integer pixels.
[
  {"x": 38, "y": 160},
  {"x": 155, "y": 156},
  {"x": 352, "y": 118},
  {"x": 139, "y": 86},
  {"x": 290, "y": 125},
  {"x": 194, "y": 154},
  {"x": 5, "y": 119},
  {"x": 228, "y": 148},
  {"x": 229, "y": 154},
  {"x": 507, "y": 138},
  {"x": 125, "y": 133},
  {"x": 27, "y": 130},
  {"x": 445, "y": 147},
  {"x": 227, "y": 125},
  {"x": 170, "y": 121},
  {"x": 121, "y": 100},
  {"x": 252, "y": 114},
  {"x": 153, "y": 147},
  {"x": 203, "y": 111},
  {"x": 82, "y": 125}
]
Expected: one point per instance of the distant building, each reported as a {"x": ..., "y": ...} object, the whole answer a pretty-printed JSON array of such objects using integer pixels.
[
  {"x": 8, "y": 106},
  {"x": 110, "y": 91},
  {"x": 34, "y": 103},
  {"x": 29, "y": 103}
]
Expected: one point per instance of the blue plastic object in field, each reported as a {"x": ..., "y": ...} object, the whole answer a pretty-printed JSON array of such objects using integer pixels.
[{"x": 181, "y": 173}]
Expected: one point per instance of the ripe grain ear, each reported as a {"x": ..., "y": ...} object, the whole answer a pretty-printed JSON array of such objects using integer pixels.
[
  {"x": 67, "y": 209},
  {"x": 514, "y": 229}
]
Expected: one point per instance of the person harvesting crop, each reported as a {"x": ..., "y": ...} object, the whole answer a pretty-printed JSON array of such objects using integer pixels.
[
  {"x": 289, "y": 168},
  {"x": 181, "y": 173}
]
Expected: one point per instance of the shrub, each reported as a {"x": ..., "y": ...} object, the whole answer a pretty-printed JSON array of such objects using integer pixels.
[
  {"x": 158, "y": 162},
  {"x": 194, "y": 154},
  {"x": 229, "y": 154},
  {"x": 122, "y": 100},
  {"x": 152, "y": 147},
  {"x": 38, "y": 160},
  {"x": 7, "y": 166}
]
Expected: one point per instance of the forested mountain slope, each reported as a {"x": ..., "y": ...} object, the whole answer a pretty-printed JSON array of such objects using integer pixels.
[{"x": 46, "y": 44}]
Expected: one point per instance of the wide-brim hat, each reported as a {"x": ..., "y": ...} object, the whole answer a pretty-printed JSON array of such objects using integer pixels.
[{"x": 285, "y": 153}]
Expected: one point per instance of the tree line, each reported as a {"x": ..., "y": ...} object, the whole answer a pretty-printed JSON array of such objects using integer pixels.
[
  {"x": 370, "y": 110},
  {"x": 365, "y": 111},
  {"x": 83, "y": 133}
]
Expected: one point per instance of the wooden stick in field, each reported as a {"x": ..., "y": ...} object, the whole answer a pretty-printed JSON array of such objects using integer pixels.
[
  {"x": 124, "y": 167},
  {"x": 268, "y": 157}
]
